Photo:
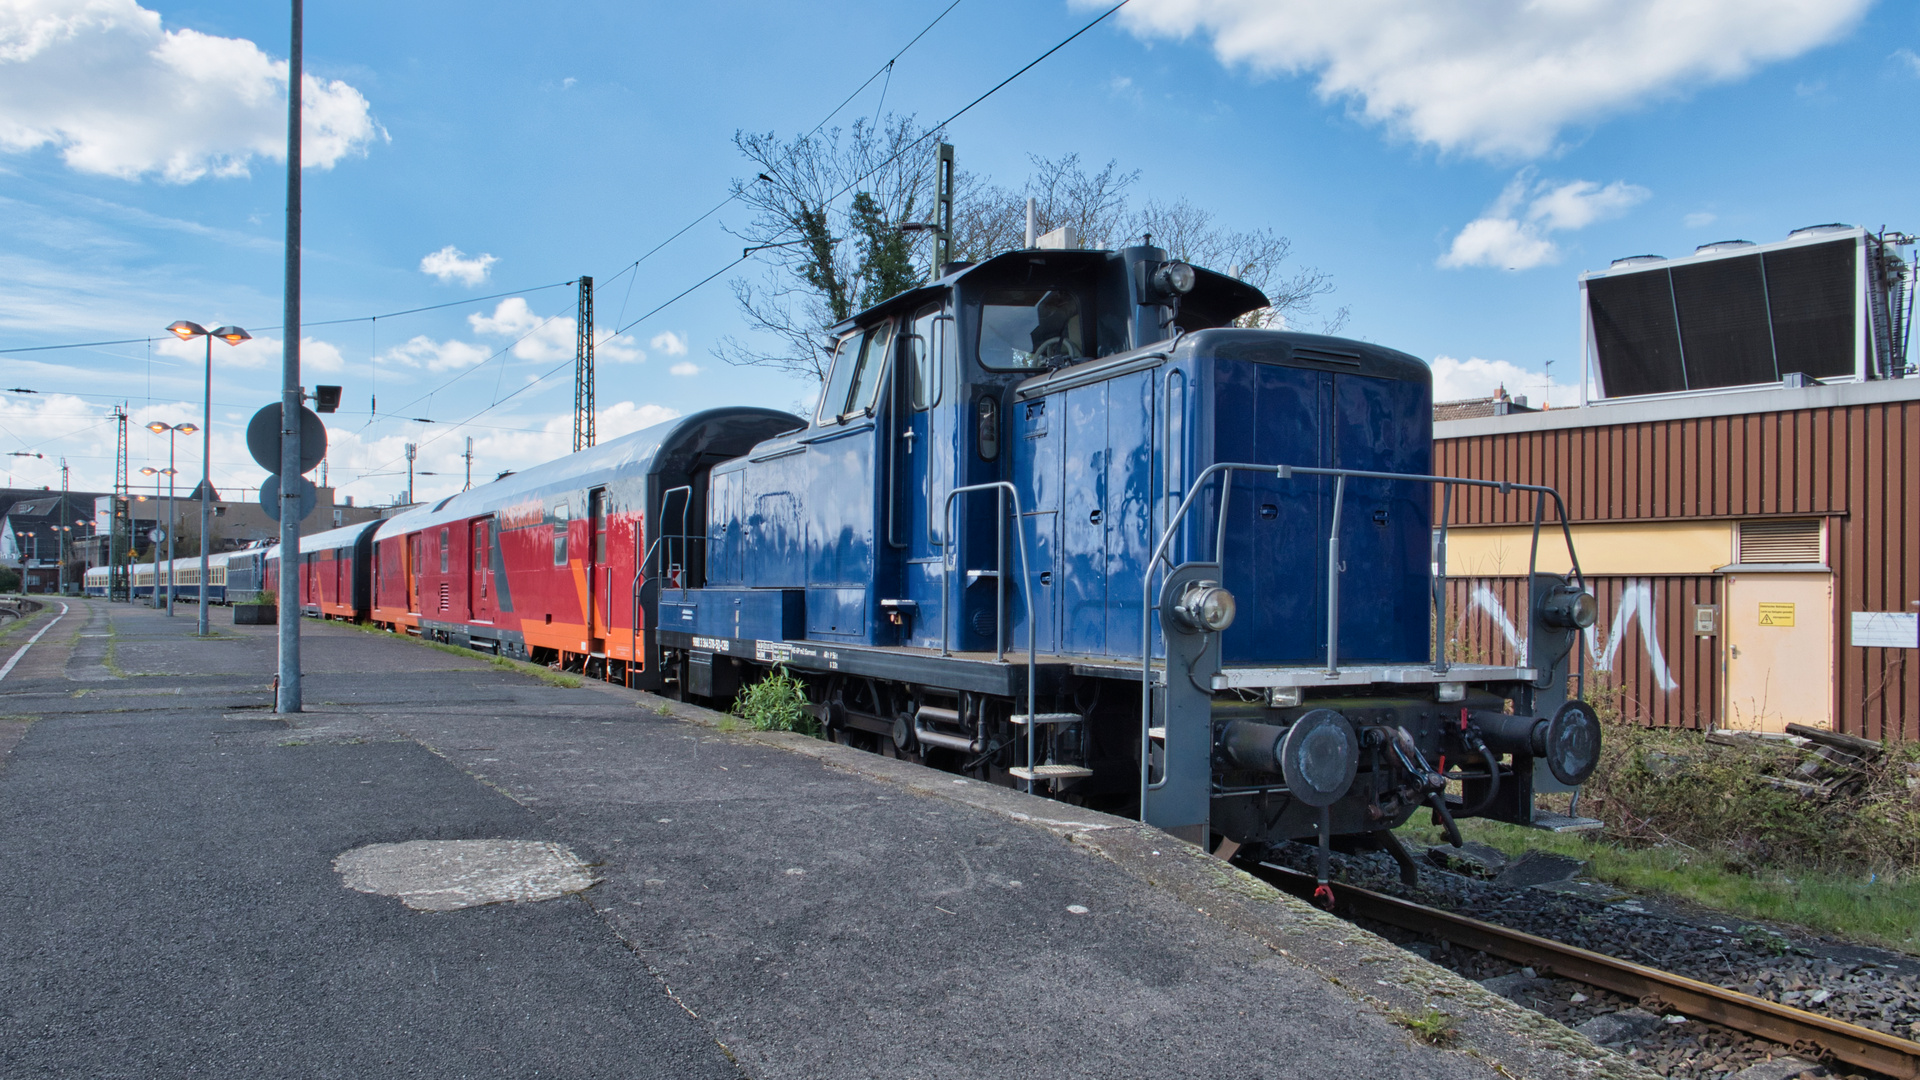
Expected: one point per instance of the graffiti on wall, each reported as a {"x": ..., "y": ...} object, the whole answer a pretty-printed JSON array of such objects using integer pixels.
[{"x": 1635, "y": 607}]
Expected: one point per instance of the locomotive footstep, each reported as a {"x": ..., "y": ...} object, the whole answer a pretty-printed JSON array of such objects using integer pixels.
[{"x": 446, "y": 875}]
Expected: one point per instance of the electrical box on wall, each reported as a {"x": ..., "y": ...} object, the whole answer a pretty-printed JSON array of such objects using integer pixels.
[{"x": 1706, "y": 620}]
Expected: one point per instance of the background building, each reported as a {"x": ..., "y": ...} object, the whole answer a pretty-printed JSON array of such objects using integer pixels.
[{"x": 1755, "y": 545}]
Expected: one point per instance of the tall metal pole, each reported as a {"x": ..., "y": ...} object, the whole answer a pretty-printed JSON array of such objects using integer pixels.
[
  {"x": 66, "y": 515},
  {"x": 288, "y": 699},
  {"x": 206, "y": 484},
  {"x": 171, "y": 473}
]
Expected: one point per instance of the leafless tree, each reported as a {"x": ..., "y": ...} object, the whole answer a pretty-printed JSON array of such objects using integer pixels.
[
  {"x": 801, "y": 220},
  {"x": 815, "y": 278}
]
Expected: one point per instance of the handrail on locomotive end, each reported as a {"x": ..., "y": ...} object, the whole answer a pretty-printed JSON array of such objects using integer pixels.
[
  {"x": 999, "y": 588},
  {"x": 1225, "y": 469}
]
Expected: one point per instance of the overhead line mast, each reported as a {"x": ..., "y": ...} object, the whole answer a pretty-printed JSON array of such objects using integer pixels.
[{"x": 583, "y": 433}]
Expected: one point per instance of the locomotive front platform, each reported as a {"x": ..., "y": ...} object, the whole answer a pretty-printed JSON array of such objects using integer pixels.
[{"x": 766, "y": 905}]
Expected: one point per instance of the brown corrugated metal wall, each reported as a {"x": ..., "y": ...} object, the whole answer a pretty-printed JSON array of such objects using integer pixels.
[
  {"x": 1852, "y": 464},
  {"x": 1662, "y": 673}
]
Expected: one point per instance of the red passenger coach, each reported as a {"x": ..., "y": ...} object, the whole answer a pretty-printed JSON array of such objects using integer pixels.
[
  {"x": 545, "y": 564},
  {"x": 333, "y": 572}
]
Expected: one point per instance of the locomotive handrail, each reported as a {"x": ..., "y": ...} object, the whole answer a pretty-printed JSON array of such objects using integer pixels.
[
  {"x": 999, "y": 589},
  {"x": 1286, "y": 472}
]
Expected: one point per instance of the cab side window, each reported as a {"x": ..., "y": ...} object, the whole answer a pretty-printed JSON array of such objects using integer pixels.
[{"x": 923, "y": 358}]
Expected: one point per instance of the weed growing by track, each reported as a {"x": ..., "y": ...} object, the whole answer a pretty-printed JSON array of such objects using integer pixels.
[
  {"x": 776, "y": 703},
  {"x": 1432, "y": 1027}
]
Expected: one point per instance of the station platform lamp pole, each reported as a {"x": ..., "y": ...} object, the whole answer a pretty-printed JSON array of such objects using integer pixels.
[
  {"x": 170, "y": 430},
  {"x": 232, "y": 335},
  {"x": 287, "y": 699}
]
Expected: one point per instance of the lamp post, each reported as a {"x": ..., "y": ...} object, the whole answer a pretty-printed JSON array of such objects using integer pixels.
[
  {"x": 232, "y": 335},
  {"x": 171, "y": 430},
  {"x": 157, "y": 474}
]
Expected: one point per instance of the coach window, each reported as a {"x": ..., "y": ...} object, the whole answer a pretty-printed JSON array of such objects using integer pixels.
[
  {"x": 560, "y": 533},
  {"x": 446, "y": 545}
]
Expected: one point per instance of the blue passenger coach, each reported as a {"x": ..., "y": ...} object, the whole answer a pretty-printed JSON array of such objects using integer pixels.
[{"x": 1058, "y": 520}]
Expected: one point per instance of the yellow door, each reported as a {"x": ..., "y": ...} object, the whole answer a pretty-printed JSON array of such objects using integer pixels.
[{"x": 1779, "y": 651}]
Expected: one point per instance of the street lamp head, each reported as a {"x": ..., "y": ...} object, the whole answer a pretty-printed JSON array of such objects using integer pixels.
[
  {"x": 159, "y": 428},
  {"x": 147, "y": 470},
  {"x": 185, "y": 429},
  {"x": 232, "y": 335},
  {"x": 187, "y": 331}
]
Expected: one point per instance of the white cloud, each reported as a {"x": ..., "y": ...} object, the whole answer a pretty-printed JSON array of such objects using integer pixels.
[
  {"x": 567, "y": 83},
  {"x": 537, "y": 337},
  {"x": 253, "y": 354},
  {"x": 1459, "y": 380},
  {"x": 670, "y": 343},
  {"x": 1908, "y": 59},
  {"x": 100, "y": 81},
  {"x": 1497, "y": 78},
  {"x": 1512, "y": 234},
  {"x": 684, "y": 367},
  {"x": 1700, "y": 219},
  {"x": 452, "y": 264},
  {"x": 425, "y": 353}
]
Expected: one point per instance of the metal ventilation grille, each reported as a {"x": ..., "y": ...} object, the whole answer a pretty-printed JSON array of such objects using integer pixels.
[
  {"x": 446, "y": 596},
  {"x": 1780, "y": 542}
]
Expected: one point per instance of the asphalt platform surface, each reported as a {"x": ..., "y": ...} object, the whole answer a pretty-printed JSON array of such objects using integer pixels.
[{"x": 767, "y": 905}]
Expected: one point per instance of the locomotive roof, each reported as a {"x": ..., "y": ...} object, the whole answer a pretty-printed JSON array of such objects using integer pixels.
[
  {"x": 665, "y": 446},
  {"x": 1213, "y": 291}
]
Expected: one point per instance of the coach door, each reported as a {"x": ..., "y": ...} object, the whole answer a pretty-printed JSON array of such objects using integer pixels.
[
  {"x": 416, "y": 562},
  {"x": 599, "y": 572},
  {"x": 480, "y": 598}
]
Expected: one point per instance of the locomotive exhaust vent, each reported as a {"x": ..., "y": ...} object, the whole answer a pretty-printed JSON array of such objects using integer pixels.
[{"x": 1781, "y": 542}]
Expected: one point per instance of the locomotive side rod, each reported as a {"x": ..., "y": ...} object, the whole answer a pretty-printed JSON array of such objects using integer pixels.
[{"x": 1783, "y": 1024}]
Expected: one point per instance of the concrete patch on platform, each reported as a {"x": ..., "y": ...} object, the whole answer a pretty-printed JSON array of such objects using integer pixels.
[{"x": 446, "y": 875}]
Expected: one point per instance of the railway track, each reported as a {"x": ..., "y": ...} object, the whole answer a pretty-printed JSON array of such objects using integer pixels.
[{"x": 1808, "y": 1033}]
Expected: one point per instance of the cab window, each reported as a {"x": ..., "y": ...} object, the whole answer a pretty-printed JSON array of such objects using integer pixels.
[
  {"x": 859, "y": 366},
  {"x": 1027, "y": 329},
  {"x": 923, "y": 356}
]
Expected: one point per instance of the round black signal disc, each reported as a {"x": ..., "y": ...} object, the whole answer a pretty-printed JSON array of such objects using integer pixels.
[
  {"x": 1318, "y": 757},
  {"x": 1573, "y": 743}
]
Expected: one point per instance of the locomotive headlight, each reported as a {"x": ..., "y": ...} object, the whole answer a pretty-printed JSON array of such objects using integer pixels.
[
  {"x": 1174, "y": 279},
  {"x": 1205, "y": 606},
  {"x": 1569, "y": 608}
]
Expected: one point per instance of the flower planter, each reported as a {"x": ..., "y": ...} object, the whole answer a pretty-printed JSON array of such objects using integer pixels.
[{"x": 255, "y": 615}]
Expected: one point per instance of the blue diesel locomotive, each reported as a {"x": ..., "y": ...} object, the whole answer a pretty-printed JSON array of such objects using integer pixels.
[{"x": 1058, "y": 521}]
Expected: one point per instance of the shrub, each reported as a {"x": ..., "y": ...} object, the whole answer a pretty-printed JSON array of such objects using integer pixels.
[{"x": 776, "y": 703}]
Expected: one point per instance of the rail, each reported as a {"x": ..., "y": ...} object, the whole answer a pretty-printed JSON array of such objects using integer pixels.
[
  {"x": 1225, "y": 471},
  {"x": 1011, "y": 494},
  {"x": 1769, "y": 1020}
]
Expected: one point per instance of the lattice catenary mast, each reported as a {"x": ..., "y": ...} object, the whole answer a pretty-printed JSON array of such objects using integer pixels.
[
  {"x": 120, "y": 520},
  {"x": 583, "y": 433}
]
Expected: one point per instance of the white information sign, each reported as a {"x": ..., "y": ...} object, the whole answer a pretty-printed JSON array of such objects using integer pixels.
[{"x": 1886, "y": 630}]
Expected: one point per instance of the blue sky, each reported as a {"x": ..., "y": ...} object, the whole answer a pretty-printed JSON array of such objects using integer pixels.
[{"x": 1413, "y": 154}]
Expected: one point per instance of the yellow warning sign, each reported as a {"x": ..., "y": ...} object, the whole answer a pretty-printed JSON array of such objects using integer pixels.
[{"x": 1776, "y": 614}]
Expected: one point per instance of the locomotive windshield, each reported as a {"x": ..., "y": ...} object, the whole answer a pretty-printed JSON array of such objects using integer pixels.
[
  {"x": 857, "y": 368},
  {"x": 1025, "y": 329}
]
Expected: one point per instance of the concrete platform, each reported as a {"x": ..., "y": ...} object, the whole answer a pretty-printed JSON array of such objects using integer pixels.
[{"x": 767, "y": 905}]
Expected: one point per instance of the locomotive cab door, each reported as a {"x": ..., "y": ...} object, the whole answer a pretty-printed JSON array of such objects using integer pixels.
[
  {"x": 925, "y": 461},
  {"x": 480, "y": 598}
]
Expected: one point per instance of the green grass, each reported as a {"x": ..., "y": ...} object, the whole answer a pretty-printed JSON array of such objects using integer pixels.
[
  {"x": 1866, "y": 908},
  {"x": 776, "y": 703}
]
